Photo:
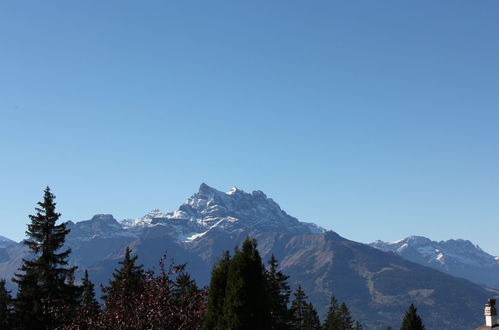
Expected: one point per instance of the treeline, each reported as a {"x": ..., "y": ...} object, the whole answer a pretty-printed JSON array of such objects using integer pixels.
[{"x": 243, "y": 294}]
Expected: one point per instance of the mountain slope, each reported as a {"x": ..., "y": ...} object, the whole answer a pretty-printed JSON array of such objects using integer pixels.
[
  {"x": 377, "y": 286},
  {"x": 5, "y": 242},
  {"x": 459, "y": 258}
]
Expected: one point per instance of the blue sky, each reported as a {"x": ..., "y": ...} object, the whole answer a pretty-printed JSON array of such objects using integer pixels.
[{"x": 377, "y": 119}]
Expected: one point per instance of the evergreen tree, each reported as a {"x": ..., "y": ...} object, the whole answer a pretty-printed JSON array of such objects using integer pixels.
[
  {"x": 245, "y": 304},
  {"x": 357, "y": 326},
  {"x": 44, "y": 283},
  {"x": 311, "y": 319},
  {"x": 412, "y": 321},
  {"x": 278, "y": 291},
  {"x": 346, "y": 321},
  {"x": 184, "y": 286},
  {"x": 332, "y": 321},
  {"x": 5, "y": 306},
  {"x": 298, "y": 309},
  {"x": 88, "y": 301},
  {"x": 216, "y": 294},
  {"x": 126, "y": 280}
]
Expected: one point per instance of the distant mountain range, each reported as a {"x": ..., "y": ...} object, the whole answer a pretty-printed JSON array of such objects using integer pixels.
[
  {"x": 378, "y": 286},
  {"x": 457, "y": 257}
]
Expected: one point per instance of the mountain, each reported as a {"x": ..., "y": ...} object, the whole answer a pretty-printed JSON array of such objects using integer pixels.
[
  {"x": 5, "y": 242},
  {"x": 457, "y": 257},
  {"x": 378, "y": 286}
]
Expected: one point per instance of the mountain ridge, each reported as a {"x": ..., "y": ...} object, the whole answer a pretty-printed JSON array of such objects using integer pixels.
[
  {"x": 457, "y": 257},
  {"x": 377, "y": 286}
]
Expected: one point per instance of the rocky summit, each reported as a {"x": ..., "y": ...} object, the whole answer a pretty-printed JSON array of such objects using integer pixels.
[
  {"x": 457, "y": 257},
  {"x": 378, "y": 286}
]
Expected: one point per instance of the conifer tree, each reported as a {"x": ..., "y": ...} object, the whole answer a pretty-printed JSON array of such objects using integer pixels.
[
  {"x": 346, "y": 321},
  {"x": 216, "y": 294},
  {"x": 412, "y": 321},
  {"x": 298, "y": 309},
  {"x": 357, "y": 326},
  {"x": 278, "y": 291},
  {"x": 311, "y": 319},
  {"x": 126, "y": 280},
  {"x": 245, "y": 305},
  {"x": 5, "y": 306},
  {"x": 332, "y": 321},
  {"x": 184, "y": 286},
  {"x": 88, "y": 301},
  {"x": 44, "y": 281}
]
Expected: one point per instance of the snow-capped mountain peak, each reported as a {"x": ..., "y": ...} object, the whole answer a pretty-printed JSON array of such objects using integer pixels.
[
  {"x": 446, "y": 253},
  {"x": 210, "y": 210}
]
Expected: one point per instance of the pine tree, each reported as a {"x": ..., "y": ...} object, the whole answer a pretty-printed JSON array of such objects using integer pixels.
[
  {"x": 332, "y": 321},
  {"x": 88, "y": 301},
  {"x": 126, "y": 280},
  {"x": 298, "y": 309},
  {"x": 412, "y": 321},
  {"x": 245, "y": 305},
  {"x": 357, "y": 326},
  {"x": 44, "y": 282},
  {"x": 216, "y": 294},
  {"x": 278, "y": 291},
  {"x": 5, "y": 306},
  {"x": 346, "y": 321},
  {"x": 311, "y": 319}
]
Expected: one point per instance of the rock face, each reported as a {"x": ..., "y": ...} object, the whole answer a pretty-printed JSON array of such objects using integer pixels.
[
  {"x": 456, "y": 257},
  {"x": 378, "y": 286}
]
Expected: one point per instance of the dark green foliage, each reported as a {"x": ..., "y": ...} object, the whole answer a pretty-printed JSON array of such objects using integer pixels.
[
  {"x": 44, "y": 283},
  {"x": 88, "y": 300},
  {"x": 184, "y": 285},
  {"x": 303, "y": 314},
  {"x": 339, "y": 318},
  {"x": 216, "y": 295},
  {"x": 278, "y": 291},
  {"x": 346, "y": 321},
  {"x": 332, "y": 321},
  {"x": 412, "y": 321},
  {"x": 5, "y": 306},
  {"x": 311, "y": 318},
  {"x": 245, "y": 304},
  {"x": 126, "y": 280}
]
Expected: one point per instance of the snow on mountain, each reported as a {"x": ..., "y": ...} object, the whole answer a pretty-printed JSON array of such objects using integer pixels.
[
  {"x": 457, "y": 257},
  {"x": 210, "y": 209},
  {"x": 100, "y": 226},
  {"x": 443, "y": 252},
  {"x": 5, "y": 242}
]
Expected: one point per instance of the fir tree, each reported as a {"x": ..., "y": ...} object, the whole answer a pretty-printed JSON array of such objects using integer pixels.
[
  {"x": 332, "y": 321},
  {"x": 357, "y": 326},
  {"x": 245, "y": 304},
  {"x": 346, "y": 321},
  {"x": 44, "y": 283},
  {"x": 216, "y": 294},
  {"x": 278, "y": 291},
  {"x": 88, "y": 301},
  {"x": 412, "y": 321},
  {"x": 311, "y": 319},
  {"x": 5, "y": 306},
  {"x": 126, "y": 280},
  {"x": 184, "y": 286},
  {"x": 298, "y": 309}
]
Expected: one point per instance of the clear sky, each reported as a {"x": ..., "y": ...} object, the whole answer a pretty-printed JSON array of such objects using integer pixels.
[{"x": 377, "y": 119}]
